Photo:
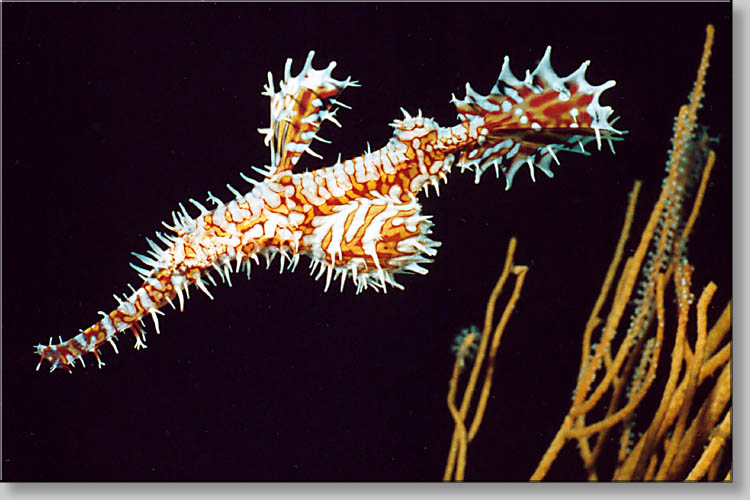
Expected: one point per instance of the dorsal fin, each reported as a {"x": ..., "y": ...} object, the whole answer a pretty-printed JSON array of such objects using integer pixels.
[{"x": 300, "y": 106}]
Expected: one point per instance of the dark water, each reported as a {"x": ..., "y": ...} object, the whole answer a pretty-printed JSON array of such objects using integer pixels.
[{"x": 113, "y": 114}]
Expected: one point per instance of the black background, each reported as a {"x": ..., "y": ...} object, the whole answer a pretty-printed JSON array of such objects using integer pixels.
[{"x": 115, "y": 113}]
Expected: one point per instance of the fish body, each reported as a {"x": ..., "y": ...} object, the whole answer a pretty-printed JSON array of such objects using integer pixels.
[{"x": 359, "y": 219}]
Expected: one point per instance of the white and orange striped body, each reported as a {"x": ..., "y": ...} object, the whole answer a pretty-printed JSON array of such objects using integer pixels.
[{"x": 358, "y": 219}]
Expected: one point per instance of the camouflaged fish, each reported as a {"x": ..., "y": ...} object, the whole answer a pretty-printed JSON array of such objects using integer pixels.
[{"x": 359, "y": 219}]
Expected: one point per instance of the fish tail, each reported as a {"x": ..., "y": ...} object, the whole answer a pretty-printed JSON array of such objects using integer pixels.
[
  {"x": 156, "y": 291},
  {"x": 526, "y": 122}
]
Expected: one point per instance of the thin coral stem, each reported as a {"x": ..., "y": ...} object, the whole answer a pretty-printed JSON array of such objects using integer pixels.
[
  {"x": 594, "y": 319},
  {"x": 456, "y": 462},
  {"x": 588, "y": 456},
  {"x": 581, "y": 405},
  {"x": 488, "y": 317},
  {"x": 458, "y": 443},
  {"x": 622, "y": 472},
  {"x": 700, "y": 194},
  {"x": 719, "y": 330},
  {"x": 520, "y": 272},
  {"x": 713, "y": 470},
  {"x": 712, "y": 453},
  {"x": 637, "y": 461},
  {"x": 642, "y": 353},
  {"x": 706, "y": 418},
  {"x": 587, "y": 369},
  {"x": 700, "y": 80},
  {"x": 715, "y": 362},
  {"x": 651, "y": 470},
  {"x": 649, "y": 377},
  {"x": 552, "y": 450},
  {"x": 692, "y": 383}
]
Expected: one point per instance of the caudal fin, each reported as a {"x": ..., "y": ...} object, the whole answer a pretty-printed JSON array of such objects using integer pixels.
[{"x": 527, "y": 122}]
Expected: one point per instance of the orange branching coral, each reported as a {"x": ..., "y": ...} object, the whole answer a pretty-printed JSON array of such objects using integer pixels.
[
  {"x": 617, "y": 372},
  {"x": 456, "y": 463}
]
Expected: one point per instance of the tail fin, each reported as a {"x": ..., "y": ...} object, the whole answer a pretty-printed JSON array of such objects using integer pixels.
[{"x": 528, "y": 121}]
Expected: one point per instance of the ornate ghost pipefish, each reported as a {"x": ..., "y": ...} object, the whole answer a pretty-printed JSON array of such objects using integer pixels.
[{"x": 360, "y": 218}]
